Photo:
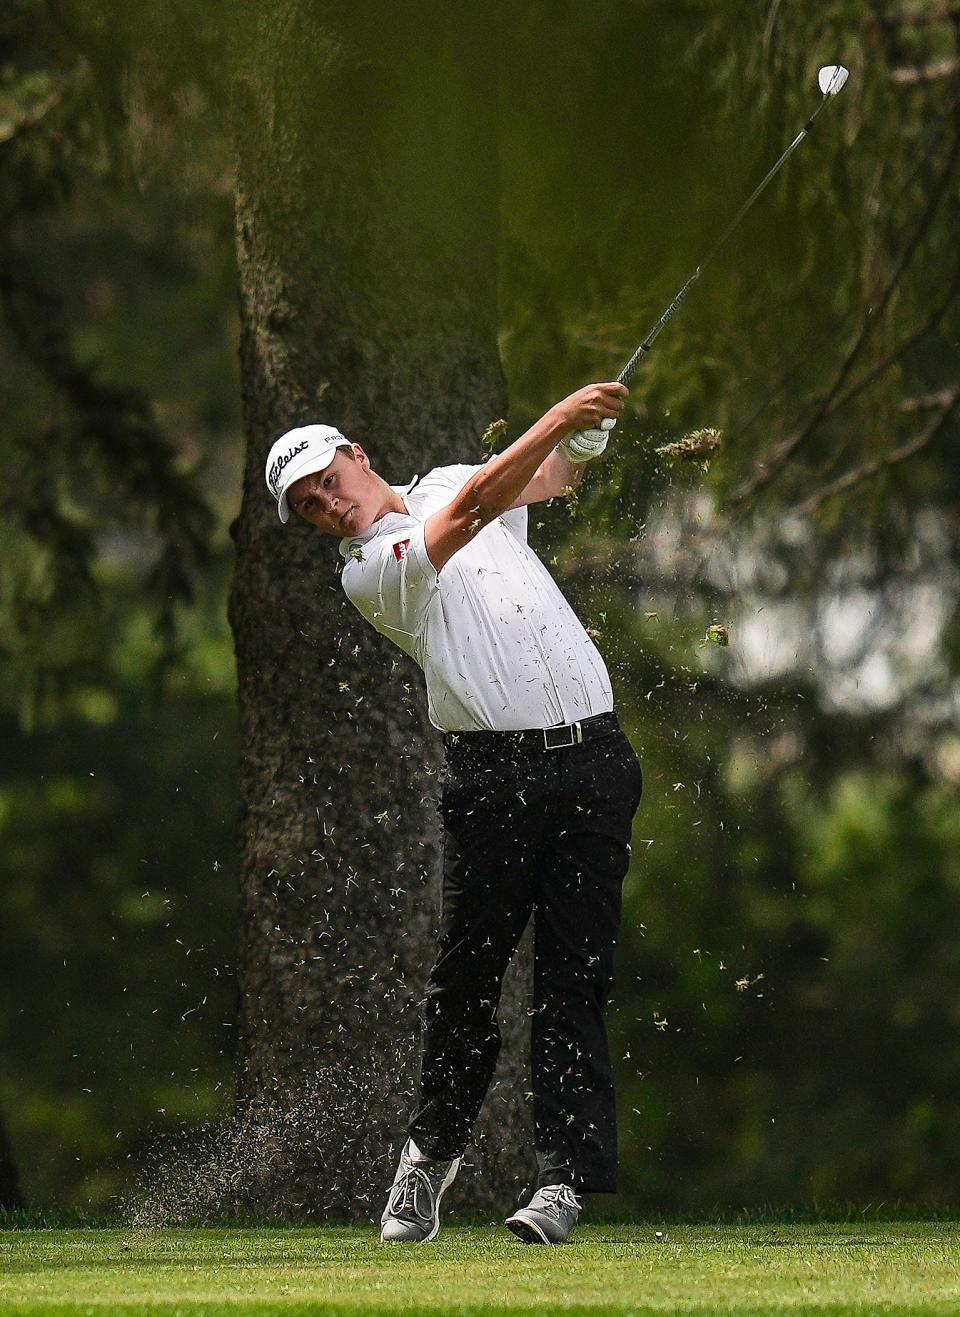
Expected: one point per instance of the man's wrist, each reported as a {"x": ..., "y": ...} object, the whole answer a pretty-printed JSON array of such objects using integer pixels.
[
  {"x": 562, "y": 425},
  {"x": 564, "y": 456}
]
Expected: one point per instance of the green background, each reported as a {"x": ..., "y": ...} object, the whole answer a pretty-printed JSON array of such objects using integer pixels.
[{"x": 785, "y": 1017}]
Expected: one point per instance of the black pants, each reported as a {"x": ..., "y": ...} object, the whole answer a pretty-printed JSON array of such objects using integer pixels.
[{"x": 524, "y": 830}]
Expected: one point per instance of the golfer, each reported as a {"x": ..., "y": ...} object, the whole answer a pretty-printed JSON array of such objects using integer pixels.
[{"x": 538, "y": 792}]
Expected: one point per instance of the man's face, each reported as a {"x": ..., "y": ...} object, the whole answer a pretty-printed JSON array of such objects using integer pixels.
[{"x": 340, "y": 500}]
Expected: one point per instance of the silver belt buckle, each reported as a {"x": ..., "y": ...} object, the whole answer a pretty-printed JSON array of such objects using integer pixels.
[{"x": 574, "y": 735}]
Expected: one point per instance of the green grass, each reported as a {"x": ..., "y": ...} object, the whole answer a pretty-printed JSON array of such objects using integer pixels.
[{"x": 893, "y": 1267}]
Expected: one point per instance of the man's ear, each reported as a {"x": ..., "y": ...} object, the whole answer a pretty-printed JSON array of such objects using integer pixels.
[{"x": 361, "y": 457}]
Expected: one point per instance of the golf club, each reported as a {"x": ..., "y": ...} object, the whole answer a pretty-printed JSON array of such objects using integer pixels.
[{"x": 830, "y": 78}]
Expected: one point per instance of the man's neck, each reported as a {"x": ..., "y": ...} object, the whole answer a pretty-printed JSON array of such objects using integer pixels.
[{"x": 392, "y": 501}]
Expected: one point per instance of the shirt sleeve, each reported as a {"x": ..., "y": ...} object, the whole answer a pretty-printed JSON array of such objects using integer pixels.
[
  {"x": 456, "y": 476},
  {"x": 394, "y": 581}
]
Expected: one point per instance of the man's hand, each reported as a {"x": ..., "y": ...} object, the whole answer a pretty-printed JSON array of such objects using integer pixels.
[
  {"x": 590, "y": 407},
  {"x": 583, "y": 446},
  {"x": 585, "y": 409}
]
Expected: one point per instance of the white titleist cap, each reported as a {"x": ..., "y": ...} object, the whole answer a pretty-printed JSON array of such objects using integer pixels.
[{"x": 298, "y": 453}]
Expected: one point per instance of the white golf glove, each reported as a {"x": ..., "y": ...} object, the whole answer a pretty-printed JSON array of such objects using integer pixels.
[{"x": 585, "y": 445}]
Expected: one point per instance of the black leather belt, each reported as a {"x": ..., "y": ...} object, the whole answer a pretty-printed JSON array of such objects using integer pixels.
[{"x": 537, "y": 738}]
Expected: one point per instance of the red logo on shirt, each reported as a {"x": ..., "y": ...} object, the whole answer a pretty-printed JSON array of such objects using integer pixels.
[{"x": 400, "y": 549}]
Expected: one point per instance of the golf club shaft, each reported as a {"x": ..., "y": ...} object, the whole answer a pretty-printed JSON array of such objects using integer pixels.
[{"x": 647, "y": 343}]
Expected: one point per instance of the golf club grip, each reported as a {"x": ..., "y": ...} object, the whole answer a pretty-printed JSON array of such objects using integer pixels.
[{"x": 632, "y": 365}]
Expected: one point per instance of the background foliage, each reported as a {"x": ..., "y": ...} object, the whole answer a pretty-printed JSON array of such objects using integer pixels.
[{"x": 787, "y": 976}]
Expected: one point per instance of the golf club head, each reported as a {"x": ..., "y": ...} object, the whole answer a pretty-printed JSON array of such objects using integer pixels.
[{"x": 831, "y": 78}]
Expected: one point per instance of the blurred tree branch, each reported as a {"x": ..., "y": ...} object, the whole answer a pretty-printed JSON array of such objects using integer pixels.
[
  {"x": 850, "y": 479},
  {"x": 767, "y": 469},
  {"x": 93, "y": 454}
]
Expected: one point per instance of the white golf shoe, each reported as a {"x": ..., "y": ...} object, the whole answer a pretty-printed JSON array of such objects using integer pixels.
[
  {"x": 549, "y": 1217},
  {"x": 412, "y": 1213}
]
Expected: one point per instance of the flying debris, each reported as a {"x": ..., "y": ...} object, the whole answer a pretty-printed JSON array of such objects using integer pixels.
[
  {"x": 492, "y": 434},
  {"x": 718, "y": 634},
  {"x": 570, "y": 494},
  {"x": 697, "y": 446}
]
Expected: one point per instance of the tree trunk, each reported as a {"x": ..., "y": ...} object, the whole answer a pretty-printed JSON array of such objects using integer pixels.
[
  {"x": 10, "y": 1195},
  {"x": 366, "y": 231}
]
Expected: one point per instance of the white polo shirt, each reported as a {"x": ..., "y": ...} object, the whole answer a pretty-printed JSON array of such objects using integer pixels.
[{"x": 500, "y": 647}]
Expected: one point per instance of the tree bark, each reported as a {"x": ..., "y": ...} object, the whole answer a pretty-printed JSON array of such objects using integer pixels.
[
  {"x": 10, "y": 1196},
  {"x": 367, "y": 197}
]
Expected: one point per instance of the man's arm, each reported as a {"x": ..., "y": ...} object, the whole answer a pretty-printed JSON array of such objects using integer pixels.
[
  {"x": 499, "y": 484},
  {"x": 553, "y": 476}
]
